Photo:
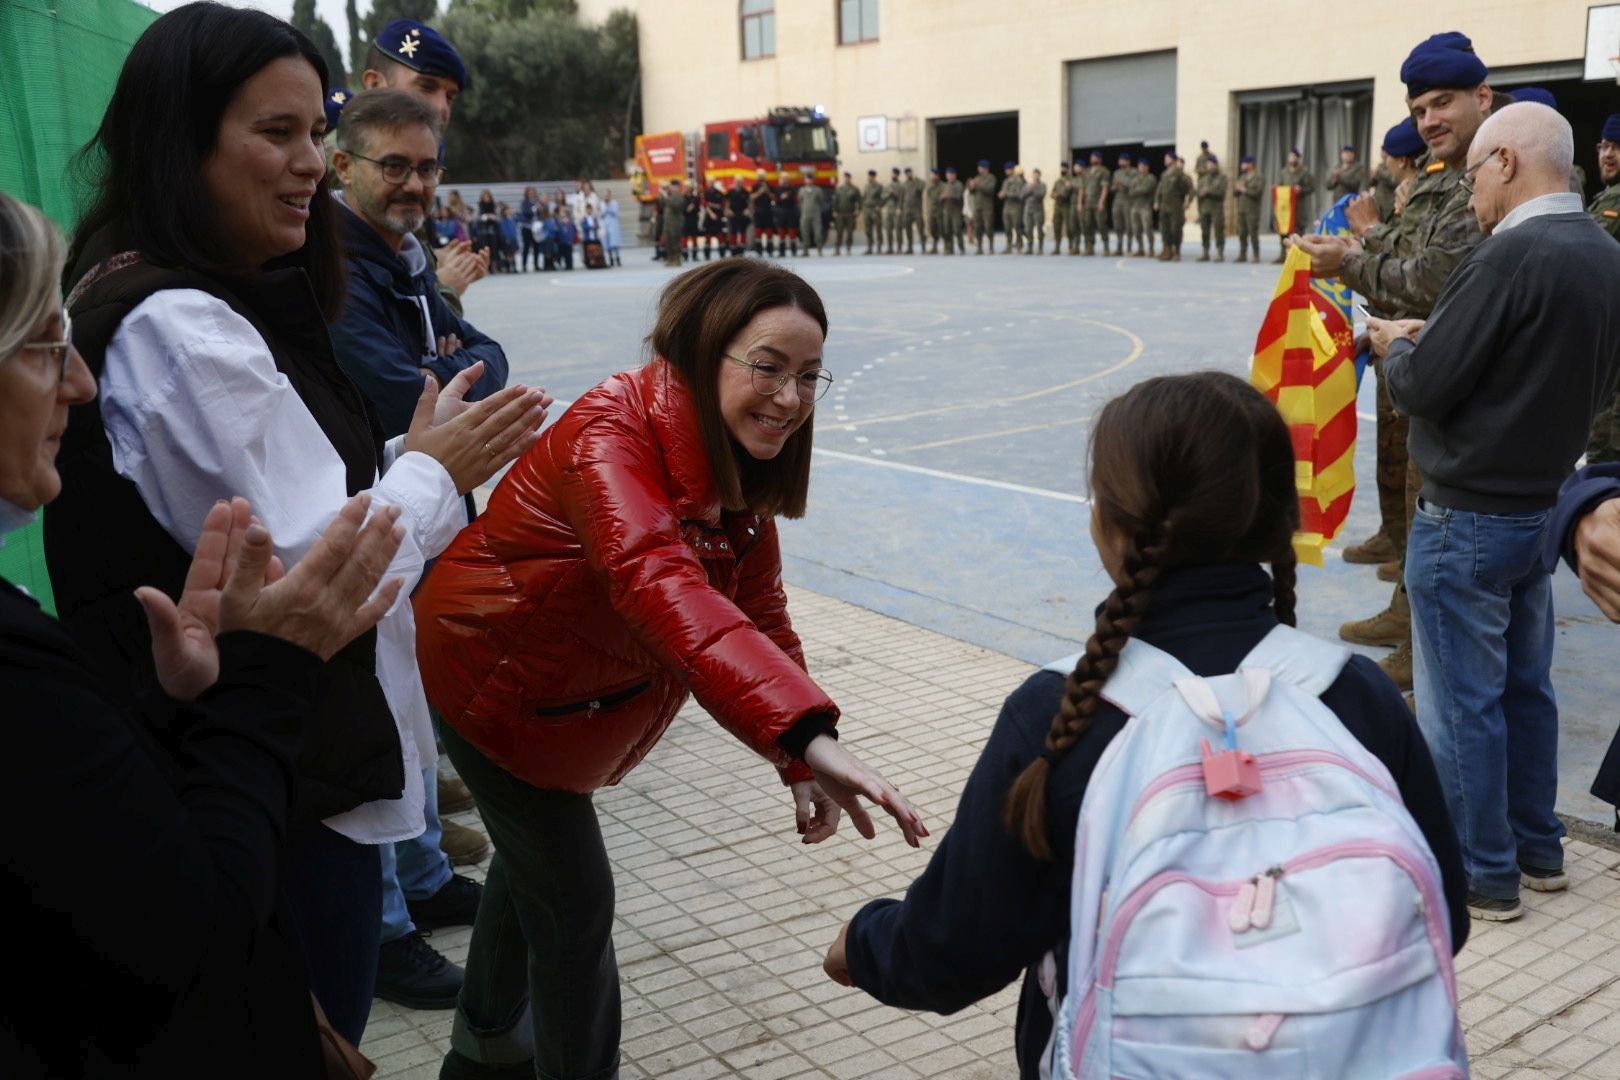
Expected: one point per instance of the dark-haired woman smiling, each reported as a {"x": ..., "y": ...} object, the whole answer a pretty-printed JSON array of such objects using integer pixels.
[
  {"x": 629, "y": 560},
  {"x": 204, "y": 274}
]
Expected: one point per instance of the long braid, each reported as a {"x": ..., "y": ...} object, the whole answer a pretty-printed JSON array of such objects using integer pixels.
[
  {"x": 1283, "y": 565},
  {"x": 1142, "y": 562}
]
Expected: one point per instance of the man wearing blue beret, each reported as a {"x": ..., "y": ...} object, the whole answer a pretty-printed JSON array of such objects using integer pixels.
[
  {"x": 1250, "y": 188},
  {"x": 1119, "y": 197},
  {"x": 1350, "y": 178},
  {"x": 412, "y": 56},
  {"x": 1064, "y": 226},
  {"x": 983, "y": 186},
  {"x": 1303, "y": 181},
  {"x": 1448, "y": 97}
]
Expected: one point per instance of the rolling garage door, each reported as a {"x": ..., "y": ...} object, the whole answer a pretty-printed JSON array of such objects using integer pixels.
[{"x": 1117, "y": 100}]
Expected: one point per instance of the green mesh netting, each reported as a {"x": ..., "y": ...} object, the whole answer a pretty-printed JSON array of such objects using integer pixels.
[{"x": 59, "y": 60}]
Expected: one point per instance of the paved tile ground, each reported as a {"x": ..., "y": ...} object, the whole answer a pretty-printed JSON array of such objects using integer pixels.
[{"x": 723, "y": 918}]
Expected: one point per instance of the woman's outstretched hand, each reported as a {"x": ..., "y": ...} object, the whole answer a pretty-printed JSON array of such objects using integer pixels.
[{"x": 841, "y": 781}]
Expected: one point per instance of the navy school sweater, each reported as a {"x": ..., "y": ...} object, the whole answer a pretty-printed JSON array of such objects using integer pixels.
[{"x": 985, "y": 910}]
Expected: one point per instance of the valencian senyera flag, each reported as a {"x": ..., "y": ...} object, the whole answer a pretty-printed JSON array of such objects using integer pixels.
[{"x": 1304, "y": 361}]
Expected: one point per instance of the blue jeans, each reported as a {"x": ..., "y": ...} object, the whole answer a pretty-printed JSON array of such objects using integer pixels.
[
  {"x": 1482, "y": 641},
  {"x": 414, "y": 868}
]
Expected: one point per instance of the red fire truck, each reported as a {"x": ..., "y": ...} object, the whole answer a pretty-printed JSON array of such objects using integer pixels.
[{"x": 782, "y": 142}]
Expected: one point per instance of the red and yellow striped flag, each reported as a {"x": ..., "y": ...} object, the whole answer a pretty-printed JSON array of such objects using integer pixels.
[
  {"x": 1285, "y": 204},
  {"x": 1304, "y": 361}
]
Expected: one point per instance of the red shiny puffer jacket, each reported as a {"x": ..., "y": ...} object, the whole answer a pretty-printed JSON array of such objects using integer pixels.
[{"x": 562, "y": 630}]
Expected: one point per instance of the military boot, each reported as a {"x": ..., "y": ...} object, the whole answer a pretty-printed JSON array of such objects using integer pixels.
[
  {"x": 1220, "y": 254},
  {"x": 1398, "y": 664},
  {"x": 1205, "y": 256},
  {"x": 1391, "y": 626},
  {"x": 1390, "y": 571},
  {"x": 1175, "y": 256},
  {"x": 1091, "y": 248},
  {"x": 1243, "y": 256},
  {"x": 1378, "y": 548}
]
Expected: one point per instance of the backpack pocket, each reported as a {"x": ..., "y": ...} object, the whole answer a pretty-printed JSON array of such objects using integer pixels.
[{"x": 1335, "y": 956}]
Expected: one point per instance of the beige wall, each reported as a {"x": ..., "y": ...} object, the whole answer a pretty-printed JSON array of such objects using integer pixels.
[
  {"x": 594, "y": 12},
  {"x": 944, "y": 58}
]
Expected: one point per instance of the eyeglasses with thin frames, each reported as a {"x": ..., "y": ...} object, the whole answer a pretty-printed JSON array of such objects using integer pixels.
[
  {"x": 397, "y": 170},
  {"x": 769, "y": 378},
  {"x": 60, "y": 352},
  {"x": 1467, "y": 181}
]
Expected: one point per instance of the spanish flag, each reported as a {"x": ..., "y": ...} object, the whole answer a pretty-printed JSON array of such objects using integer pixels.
[
  {"x": 1285, "y": 205},
  {"x": 1304, "y": 361}
]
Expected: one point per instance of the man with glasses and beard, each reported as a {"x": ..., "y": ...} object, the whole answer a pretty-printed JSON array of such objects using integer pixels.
[{"x": 397, "y": 328}]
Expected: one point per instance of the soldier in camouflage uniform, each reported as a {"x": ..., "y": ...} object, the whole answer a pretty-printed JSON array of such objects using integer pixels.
[
  {"x": 1062, "y": 209},
  {"x": 1143, "y": 189},
  {"x": 1604, "y": 444},
  {"x": 810, "y": 201},
  {"x": 892, "y": 195},
  {"x": 911, "y": 212},
  {"x": 1350, "y": 178},
  {"x": 1407, "y": 286},
  {"x": 1094, "y": 209},
  {"x": 1250, "y": 188},
  {"x": 1174, "y": 188},
  {"x": 1212, "y": 209},
  {"x": 1297, "y": 176},
  {"x": 1201, "y": 163},
  {"x": 1119, "y": 197},
  {"x": 1035, "y": 214},
  {"x": 846, "y": 203},
  {"x": 1383, "y": 188},
  {"x": 933, "y": 212},
  {"x": 1013, "y": 186},
  {"x": 673, "y": 205},
  {"x": 950, "y": 202},
  {"x": 984, "y": 208},
  {"x": 872, "y": 212}
]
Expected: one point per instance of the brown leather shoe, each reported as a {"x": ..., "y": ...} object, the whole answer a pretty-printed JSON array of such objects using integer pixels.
[
  {"x": 454, "y": 797},
  {"x": 1390, "y": 571},
  {"x": 1388, "y": 627},
  {"x": 1398, "y": 665},
  {"x": 1379, "y": 548},
  {"x": 464, "y": 846}
]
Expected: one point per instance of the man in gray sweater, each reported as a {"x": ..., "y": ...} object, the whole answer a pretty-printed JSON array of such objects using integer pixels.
[{"x": 1501, "y": 384}]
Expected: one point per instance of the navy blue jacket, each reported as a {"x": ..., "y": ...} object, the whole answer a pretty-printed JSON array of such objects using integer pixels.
[
  {"x": 1579, "y": 496},
  {"x": 985, "y": 910},
  {"x": 381, "y": 340}
]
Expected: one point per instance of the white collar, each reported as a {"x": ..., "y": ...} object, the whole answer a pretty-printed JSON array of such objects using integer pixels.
[
  {"x": 1559, "y": 202},
  {"x": 12, "y": 518}
]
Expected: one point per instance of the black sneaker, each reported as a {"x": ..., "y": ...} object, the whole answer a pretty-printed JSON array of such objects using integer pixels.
[
  {"x": 1543, "y": 880},
  {"x": 455, "y": 904},
  {"x": 410, "y": 972},
  {"x": 1491, "y": 909},
  {"x": 461, "y": 1067}
]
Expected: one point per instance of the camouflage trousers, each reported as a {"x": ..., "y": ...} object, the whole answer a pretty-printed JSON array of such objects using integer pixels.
[
  {"x": 911, "y": 226},
  {"x": 1172, "y": 225},
  {"x": 936, "y": 224},
  {"x": 1213, "y": 222},
  {"x": 1012, "y": 219},
  {"x": 1394, "y": 514},
  {"x": 952, "y": 224},
  {"x": 1248, "y": 228},
  {"x": 844, "y": 232},
  {"x": 1063, "y": 227},
  {"x": 871, "y": 224},
  {"x": 1094, "y": 224},
  {"x": 1142, "y": 227},
  {"x": 984, "y": 227}
]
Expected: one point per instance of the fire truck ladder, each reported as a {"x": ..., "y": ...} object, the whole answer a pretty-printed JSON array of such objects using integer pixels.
[{"x": 694, "y": 143}]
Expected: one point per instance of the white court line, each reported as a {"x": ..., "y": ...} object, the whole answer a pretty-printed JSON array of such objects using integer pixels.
[
  {"x": 1367, "y": 416},
  {"x": 1061, "y": 496}
]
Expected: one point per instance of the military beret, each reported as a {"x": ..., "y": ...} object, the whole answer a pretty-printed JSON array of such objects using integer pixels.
[
  {"x": 1097, "y": 154},
  {"x": 908, "y": 168},
  {"x": 1010, "y": 165},
  {"x": 1535, "y": 94},
  {"x": 1124, "y": 157},
  {"x": 871, "y": 172},
  {"x": 1403, "y": 139},
  {"x": 950, "y": 169},
  {"x": 420, "y": 48},
  {"x": 1246, "y": 159},
  {"x": 1063, "y": 164},
  {"x": 1611, "y": 129},
  {"x": 984, "y": 163},
  {"x": 1445, "y": 61},
  {"x": 336, "y": 98},
  {"x": 1295, "y": 151},
  {"x": 895, "y": 170},
  {"x": 1204, "y": 145},
  {"x": 934, "y": 170},
  {"x": 1348, "y": 147}
]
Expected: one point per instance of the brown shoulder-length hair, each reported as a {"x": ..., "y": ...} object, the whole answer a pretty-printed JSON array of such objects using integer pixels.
[
  {"x": 698, "y": 315},
  {"x": 1187, "y": 469}
]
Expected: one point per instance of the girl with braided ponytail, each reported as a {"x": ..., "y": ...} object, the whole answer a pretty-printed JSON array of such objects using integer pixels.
[{"x": 1192, "y": 490}]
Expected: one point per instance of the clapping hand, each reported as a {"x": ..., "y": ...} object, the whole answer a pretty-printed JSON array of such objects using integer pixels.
[
  {"x": 235, "y": 582},
  {"x": 1597, "y": 556},
  {"x": 474, "y": 442}
]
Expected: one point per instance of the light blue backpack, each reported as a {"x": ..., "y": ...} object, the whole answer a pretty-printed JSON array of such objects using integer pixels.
[{"x": 1251, "y": 897}]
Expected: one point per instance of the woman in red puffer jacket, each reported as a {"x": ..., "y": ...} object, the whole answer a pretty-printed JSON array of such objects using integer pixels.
[{"x": 627, "y": 560}]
